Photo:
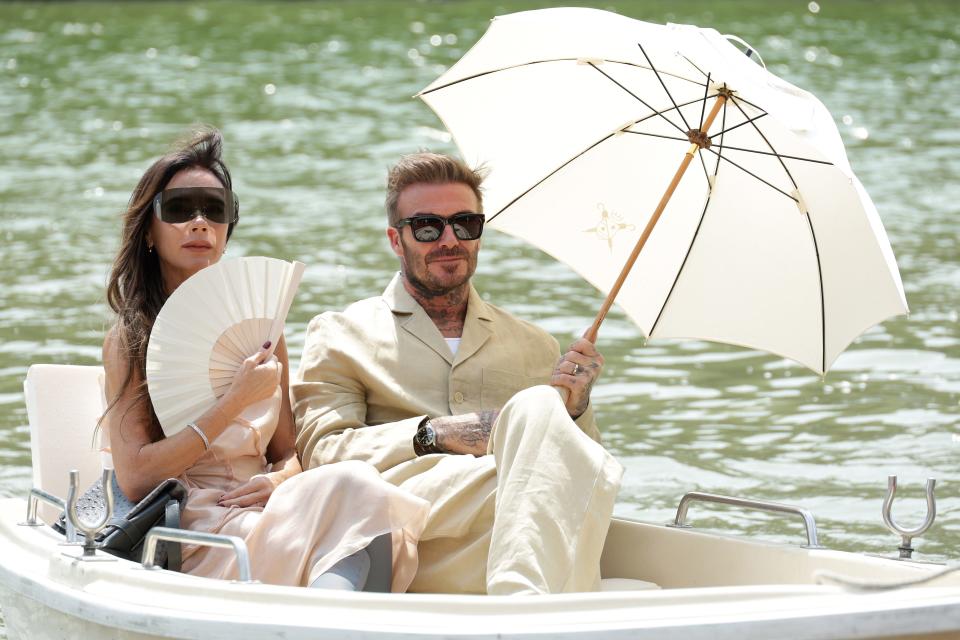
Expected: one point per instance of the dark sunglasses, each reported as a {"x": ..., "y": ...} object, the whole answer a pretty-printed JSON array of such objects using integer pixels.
[
  {"x": 428, "y": 227},
  {"x": 182, "y": 205}
]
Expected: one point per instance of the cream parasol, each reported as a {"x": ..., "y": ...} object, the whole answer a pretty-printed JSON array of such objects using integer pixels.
[
  {"x": 212, "y": 322},
  {"x": 593, "y": 124}
]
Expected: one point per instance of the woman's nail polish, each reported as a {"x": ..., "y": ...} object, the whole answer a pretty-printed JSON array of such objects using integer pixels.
[{"x": 266, "y": 345}]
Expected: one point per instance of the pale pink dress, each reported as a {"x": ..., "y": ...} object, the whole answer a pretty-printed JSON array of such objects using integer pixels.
[{"x": 309, "y": 523}]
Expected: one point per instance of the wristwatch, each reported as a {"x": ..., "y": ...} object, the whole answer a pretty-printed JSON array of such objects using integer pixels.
[{"x": 425, "y": 440}]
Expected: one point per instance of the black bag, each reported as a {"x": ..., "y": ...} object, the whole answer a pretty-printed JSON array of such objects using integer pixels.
[{"x": 124, "y": 533}]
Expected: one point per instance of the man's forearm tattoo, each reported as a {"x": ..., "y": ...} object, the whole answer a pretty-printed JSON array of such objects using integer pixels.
[
  {"x": 477, "y": 433},
  {"x": 465, "y": 433}
]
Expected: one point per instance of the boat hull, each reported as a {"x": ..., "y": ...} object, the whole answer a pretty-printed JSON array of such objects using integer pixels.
[{"x": 47, "y": 592}]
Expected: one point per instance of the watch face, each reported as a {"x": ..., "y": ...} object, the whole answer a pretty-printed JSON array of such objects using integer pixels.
[{"x": 426, "y": 436}]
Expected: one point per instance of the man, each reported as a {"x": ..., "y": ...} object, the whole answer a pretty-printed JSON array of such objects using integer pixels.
[{"x": 416, "y": 380}]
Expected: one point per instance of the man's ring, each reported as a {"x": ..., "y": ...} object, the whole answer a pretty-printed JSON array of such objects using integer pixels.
[{"x": 576, "y": 368}]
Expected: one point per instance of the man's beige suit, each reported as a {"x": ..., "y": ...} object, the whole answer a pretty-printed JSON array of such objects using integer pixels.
[{"x": 531, "y": 517}]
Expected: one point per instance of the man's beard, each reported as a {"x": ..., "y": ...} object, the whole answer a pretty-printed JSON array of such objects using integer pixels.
[{"x": 425, "y": 286}]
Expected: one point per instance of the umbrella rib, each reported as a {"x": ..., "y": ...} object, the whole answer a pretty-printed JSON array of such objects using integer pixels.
[
  {"x": 703, "y": 163},
  {"x": 533, "y": 62},
  {"x": 544, "y": 178},
  {"x": 640, "y": 66},
  {"x": 664, "y": 85},
  {"x": 750, "y": 173},
  {"x": 780, "y": 155},
  {"x": 655, "y": 113},
  {"x": 685, "y": 138},
  {"x": 703, "y": 107},
  {"x": 745, "y": 122},
  {"x": 656, "y": 135},
  {"x": 676, "y": 279},
  {"x": 707, "y": 75},
  {"x": 760, "y": 133},
  {"x": 747, "y": 102},
  {"x": 823, "y": 305},
  {"x": 723, "y": 123},
  {"x": 641, "y": 101}
]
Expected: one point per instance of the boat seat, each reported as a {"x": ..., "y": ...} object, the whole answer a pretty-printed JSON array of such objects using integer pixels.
[
  {"x": 626, "y": 584},
  {"x": 64, "y": 403}
]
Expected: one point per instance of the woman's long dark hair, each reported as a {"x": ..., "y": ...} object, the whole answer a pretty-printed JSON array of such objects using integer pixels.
[{"x": 135, "y": 289}]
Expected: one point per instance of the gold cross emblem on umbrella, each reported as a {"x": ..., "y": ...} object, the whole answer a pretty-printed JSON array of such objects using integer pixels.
[{"x": 610, "y": 224}]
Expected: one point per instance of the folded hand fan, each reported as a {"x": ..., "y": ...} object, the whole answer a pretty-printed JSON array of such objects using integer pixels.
[{"x": 216, "y": 319}]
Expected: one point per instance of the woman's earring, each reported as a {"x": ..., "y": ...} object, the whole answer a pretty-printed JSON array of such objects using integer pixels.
[{"x": 150, "y": 249}]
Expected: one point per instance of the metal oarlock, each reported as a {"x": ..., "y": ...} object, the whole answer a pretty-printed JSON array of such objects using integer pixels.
[
  {"x": 88, "y": 529},
  {"x": 907, "y": 535}
]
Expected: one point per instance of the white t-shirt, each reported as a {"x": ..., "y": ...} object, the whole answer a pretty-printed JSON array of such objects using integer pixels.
[{"x": 454, "y": 344}]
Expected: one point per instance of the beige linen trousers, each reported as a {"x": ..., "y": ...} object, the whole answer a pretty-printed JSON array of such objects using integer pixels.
[{"x": 532, "y": 516}]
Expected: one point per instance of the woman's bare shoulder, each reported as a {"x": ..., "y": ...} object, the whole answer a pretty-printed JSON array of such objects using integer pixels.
[
  {"x": 111, "y": 346},
  {"x": 115, "y": 360}
]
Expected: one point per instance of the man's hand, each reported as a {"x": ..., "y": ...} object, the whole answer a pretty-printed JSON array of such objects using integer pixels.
[
  {"x": 465, "y": 433},
  {"x": 576, "y": 371}
]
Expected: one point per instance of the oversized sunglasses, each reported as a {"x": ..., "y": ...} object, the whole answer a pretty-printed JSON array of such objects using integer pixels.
[
  {"x": 216, "y": 204},
  {"x": 428, "y": 227}
]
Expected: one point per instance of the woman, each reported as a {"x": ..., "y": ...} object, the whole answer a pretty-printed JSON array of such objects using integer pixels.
[{"x": 238, "y": 459}]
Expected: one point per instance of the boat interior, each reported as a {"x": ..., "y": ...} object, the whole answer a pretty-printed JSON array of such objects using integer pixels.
[{"x": 64, "y": 403}]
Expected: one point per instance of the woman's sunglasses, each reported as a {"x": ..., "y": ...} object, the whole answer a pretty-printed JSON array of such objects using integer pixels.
[
  {"x": 217, "y": 205},
  {"x": 427, "y": 227}
]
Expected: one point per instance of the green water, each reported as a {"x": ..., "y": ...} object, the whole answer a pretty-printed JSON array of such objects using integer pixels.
[{"x": 314, "y": 101}]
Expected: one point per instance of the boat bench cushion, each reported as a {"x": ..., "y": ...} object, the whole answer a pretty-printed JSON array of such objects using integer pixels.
[{"x": 626, "y": 584}]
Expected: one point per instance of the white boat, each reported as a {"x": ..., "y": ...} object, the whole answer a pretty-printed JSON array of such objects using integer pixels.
[{"x": 659, "y": 581}]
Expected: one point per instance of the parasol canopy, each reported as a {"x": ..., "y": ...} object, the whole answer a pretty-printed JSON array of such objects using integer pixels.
[{"x": 592, "y": 125}]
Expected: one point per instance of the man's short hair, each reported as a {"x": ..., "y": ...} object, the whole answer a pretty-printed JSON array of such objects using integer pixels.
[{"x": 430, "y": 168}]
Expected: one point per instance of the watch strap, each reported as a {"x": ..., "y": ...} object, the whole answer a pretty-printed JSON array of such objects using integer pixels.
[{"x": 425, "y": 439}]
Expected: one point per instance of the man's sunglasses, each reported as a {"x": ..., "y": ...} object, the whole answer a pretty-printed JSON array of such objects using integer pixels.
[
  {"x": 183, "y": 205},
  {"x": 428, "y": 227}
]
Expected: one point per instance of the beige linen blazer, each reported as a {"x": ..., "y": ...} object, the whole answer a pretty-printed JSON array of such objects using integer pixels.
[{"x": 371, "y": 373}]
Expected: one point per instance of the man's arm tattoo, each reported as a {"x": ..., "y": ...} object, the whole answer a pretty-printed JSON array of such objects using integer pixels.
[
  {"x": 478, "y": 433},
  {"x": 469, "y": 432}
]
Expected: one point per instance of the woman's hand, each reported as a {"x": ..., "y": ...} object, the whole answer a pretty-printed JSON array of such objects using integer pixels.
[
  {"x": 256, "y": 379},
  {"x": 254, "y": 492},
  {"x": 281, "y": 452}
]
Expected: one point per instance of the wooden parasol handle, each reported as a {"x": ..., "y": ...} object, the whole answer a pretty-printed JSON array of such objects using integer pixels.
[{"x": 697, "y": 141}]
